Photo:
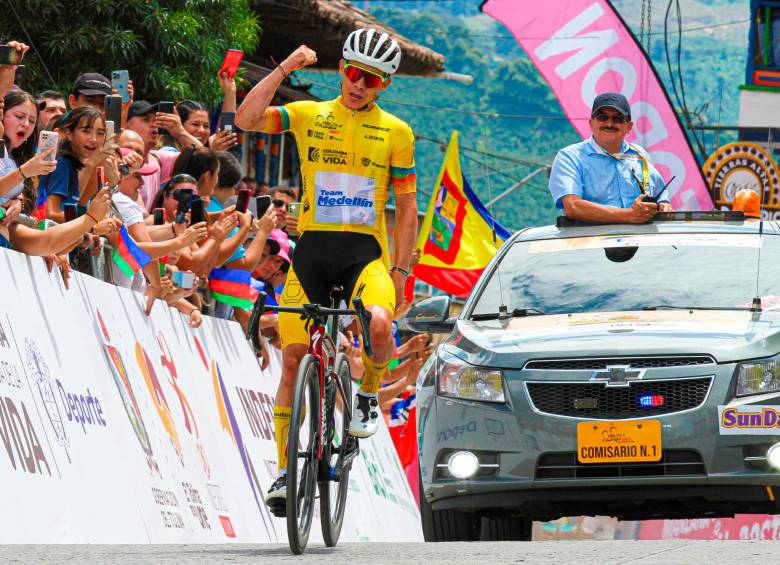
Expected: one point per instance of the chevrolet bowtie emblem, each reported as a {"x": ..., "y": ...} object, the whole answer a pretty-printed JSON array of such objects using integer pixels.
[{"x": 617, "y": 375}]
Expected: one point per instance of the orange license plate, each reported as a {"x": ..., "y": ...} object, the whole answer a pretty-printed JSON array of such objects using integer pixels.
[{"x": 628, "y": 441}]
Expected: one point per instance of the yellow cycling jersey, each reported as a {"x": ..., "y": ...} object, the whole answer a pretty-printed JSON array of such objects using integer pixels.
[{"x": 349, "y": 160}]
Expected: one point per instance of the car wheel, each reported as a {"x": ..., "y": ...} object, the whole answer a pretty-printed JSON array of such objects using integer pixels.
[
  {"x": 447, "y": 525},
  {"x": 505, "y": 527}
]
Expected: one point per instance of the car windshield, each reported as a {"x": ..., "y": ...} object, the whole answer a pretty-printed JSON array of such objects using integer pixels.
[{"x": 614, "y": 273}]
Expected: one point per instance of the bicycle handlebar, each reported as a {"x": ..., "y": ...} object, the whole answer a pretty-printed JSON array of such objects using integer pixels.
[{"x": 310, "y": 312}]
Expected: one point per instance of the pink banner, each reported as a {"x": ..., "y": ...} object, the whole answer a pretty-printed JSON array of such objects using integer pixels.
[
  {"x": 741, "y": 527},
  {"x": 582, "y": 48}
]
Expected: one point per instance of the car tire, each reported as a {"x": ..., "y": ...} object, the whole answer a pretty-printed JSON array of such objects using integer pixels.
[
  {"x": 505, "y": 527},
  {"x": 447, "y": 525}
]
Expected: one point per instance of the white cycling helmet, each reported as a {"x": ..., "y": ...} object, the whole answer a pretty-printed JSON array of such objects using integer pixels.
[{"x": 385, "y": 55}]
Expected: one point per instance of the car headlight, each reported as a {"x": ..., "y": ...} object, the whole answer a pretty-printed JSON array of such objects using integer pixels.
[
  {"x": 458, "y": 379},
  {"x": 758, "y": 377}
]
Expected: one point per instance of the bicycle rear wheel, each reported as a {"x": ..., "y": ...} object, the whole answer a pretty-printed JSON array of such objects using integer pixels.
[
  {"x": 302, "y": 454},
  {"x": 333, "y": 493}
]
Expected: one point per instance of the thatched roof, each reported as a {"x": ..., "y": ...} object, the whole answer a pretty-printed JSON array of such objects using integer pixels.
[{"x": 323, "y": 25}]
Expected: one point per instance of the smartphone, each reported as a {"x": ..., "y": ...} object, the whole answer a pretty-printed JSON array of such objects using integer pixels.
[
  {"x": 182, "y": 279},
  {"x": 109, "y": 130},
  {"x": 70, "y": 212},
  {"x": 47, "y": 140},
  {"x": 159, "y": 216},
  {"x": 10, "y": 56},
  {"x": 242, "y": 203},
  {"x": 120, "y": 80},
  {"x": 197, "y": 211},
  {"x": 185, "y": 197},
  {"x": 20, "y": 75},
  {"x": 113, "y": 106},
  {"x": 409, "y": 289},
  {"x": 227, "y": 121},
  {"x": 262, "y": 203},
  {"x": 231, "y": 62},
  {"x": 165, "y": 107},
  {"x": 101, "y": 178}
]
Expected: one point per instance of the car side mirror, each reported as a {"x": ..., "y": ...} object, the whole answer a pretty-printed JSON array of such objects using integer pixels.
[{"x": 430, "y": 315}]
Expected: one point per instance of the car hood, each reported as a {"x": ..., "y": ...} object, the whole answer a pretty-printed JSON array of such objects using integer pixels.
[{"x": 726, "y": 335}]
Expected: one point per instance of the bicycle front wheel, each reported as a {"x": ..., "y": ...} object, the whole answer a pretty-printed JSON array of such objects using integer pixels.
[
  {"x": 333, "y": 493},
  {"x": 302, "y": 454}
]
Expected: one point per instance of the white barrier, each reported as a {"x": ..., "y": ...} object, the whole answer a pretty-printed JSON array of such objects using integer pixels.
[{"x": 116, "y": 427}]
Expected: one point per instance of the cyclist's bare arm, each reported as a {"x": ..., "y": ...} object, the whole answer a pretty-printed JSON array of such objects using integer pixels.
[
  {"x": 250, "y": 116},
  {"x": 405, "y": 228}
]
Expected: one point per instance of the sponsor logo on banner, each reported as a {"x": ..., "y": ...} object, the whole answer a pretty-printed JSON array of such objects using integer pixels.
[
  {"x": 39, "y": 371},
  {"x": 18, "y": 437},
  {"x": 743, "y": 165},
  {"x": 749, "y": 420},
  {"x": 259, "y": 411},
  {"x": 190, "y": 423},
  {"x": 158, "y": 399},
  {"x": 228, "y": 424}
]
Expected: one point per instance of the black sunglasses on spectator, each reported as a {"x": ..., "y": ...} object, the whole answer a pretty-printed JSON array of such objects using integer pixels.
[{"x": 278, "y": 203}]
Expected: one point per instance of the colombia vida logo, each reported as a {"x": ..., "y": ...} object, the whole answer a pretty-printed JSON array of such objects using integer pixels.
[
  {"x": 741, "y": 165},
  {"x": 328, "y": 156}
]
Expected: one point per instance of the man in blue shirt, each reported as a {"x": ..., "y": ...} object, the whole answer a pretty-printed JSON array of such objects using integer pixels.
[{"x": 604, "y": 178}]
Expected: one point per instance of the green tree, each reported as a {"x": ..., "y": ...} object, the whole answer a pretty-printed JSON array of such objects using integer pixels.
[{"x": 172, "y": 48}]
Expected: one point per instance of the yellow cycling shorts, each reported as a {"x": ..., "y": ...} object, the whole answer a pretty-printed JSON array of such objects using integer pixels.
[{"x": 323, "y": 260}]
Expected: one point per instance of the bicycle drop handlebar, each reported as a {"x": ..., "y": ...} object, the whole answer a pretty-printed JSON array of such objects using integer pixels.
[{"x": 312, "y": 312}]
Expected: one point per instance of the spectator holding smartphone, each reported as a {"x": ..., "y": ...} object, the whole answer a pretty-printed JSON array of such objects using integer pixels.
[
  {"x": 203, "y": 166},
  {"x": 90, "y": 89},
  {"x": 19, "y": 164},
  {"x": 142, "y": 119},
  {"x": 83, "y": 136}
]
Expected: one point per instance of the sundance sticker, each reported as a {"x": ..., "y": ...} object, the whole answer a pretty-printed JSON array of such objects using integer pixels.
[{"x": 749, "y": 420}]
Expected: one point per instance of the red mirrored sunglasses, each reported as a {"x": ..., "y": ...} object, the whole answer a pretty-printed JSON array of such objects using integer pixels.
[{"x": 370, "y": 78}]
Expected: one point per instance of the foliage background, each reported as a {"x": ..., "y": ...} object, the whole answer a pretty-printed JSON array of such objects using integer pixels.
[{"x": 172, "y": 48}]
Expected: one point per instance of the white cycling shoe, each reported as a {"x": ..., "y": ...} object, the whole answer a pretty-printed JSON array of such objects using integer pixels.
[{"x": 365, "y": 416}]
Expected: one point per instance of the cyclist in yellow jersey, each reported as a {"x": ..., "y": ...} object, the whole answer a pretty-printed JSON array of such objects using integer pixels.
[{"x": 352, "y": 154}]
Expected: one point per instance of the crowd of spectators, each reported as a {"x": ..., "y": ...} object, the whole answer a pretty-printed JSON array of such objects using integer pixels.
[{"x": 70, "y": 202}]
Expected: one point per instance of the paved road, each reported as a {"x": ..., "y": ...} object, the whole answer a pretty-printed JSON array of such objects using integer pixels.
[{"x": 579, "y": 552}]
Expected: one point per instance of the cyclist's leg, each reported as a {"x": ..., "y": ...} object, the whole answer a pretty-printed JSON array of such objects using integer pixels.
[
  {"x": 295, "y": 340},
  {"x": 375, "y": 288}
]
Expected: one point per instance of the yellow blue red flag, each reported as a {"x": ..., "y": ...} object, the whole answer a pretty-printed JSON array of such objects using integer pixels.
[{"x": 456, "y": 237}]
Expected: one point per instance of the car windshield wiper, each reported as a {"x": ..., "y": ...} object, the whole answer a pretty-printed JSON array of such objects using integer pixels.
[
  {"x": 516, "y": 313},
  {"x": 671, "y": 307}
]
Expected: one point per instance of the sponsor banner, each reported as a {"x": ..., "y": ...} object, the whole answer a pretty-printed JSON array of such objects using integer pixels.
[
  {"x": 741, "y": 527},
  {"x": 749, "y": 419},
  {"x": 742, "y": 165},
  {"x": 582, "y": 48},
  {"x": 116, "y": 427}
]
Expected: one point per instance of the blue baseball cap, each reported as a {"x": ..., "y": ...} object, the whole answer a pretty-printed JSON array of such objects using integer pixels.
[{"x": 613, "y": 100}]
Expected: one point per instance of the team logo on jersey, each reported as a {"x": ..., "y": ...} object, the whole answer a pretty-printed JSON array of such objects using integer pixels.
[
  {"x": 316, "y": 134},
  {"x": 327, "y": 156},
  {"x": 369, "y": 126},
  {"x": 326, "y": 121},
  {"x": 374, "y": 137}
]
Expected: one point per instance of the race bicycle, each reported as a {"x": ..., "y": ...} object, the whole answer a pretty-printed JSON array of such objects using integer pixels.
[{"x": 320, "y": 450}]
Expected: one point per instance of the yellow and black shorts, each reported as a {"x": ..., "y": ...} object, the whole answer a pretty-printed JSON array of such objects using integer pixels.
[{"x": 324, "y": 259}]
